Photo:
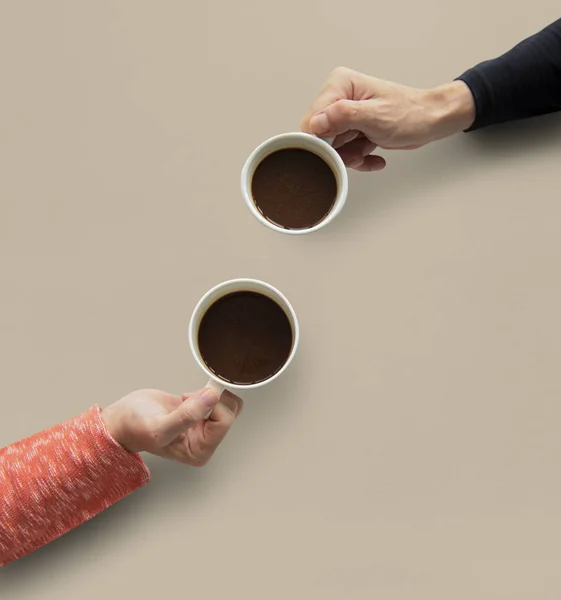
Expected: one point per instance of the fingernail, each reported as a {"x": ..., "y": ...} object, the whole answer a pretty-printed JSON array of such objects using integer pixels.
[
  {"x": 209, "y": 398},
  {"x": 320, "y": 124}
]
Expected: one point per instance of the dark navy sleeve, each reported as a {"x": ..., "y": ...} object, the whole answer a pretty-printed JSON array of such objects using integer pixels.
[{"x": 524, "y": 82}]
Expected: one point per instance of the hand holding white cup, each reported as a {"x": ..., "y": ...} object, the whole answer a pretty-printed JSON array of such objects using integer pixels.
[{"x": 243, "y": 334}]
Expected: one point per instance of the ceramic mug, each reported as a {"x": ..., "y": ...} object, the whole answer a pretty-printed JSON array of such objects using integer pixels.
[
  {"x": 302, "y": 141},
  {"x": 221, "y": 290}
]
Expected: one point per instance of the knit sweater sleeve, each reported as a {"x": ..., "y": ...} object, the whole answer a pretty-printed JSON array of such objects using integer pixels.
[{"x": 55, "y": 480}]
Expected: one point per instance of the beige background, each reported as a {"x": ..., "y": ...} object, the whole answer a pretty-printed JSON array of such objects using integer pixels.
[{"x": 413, "y": 451}]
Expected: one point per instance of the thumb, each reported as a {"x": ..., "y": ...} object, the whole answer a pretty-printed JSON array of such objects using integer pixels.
[
  {"x": 339, "y": 117},
  {"x": 187, "y": 415}
]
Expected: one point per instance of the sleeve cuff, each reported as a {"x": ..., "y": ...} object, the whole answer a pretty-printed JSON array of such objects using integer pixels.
[
  {"x": 110, "y": 445},
  {"x": 483, "y": 96}
]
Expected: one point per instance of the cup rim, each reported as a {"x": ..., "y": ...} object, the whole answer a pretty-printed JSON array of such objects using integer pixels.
[
  {"x": 194, "y": 346},
  {"x": 341, "y": 193}
]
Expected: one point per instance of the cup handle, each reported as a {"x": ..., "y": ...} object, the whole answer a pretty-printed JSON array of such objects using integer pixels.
[
  {"x": 217, "y": 387},
  {"x": 328, "y": 140}
]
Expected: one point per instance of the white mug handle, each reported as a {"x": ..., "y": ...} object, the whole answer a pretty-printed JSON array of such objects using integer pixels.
[
  {"x": 217, "y": 387},
  {"x": 329, "y": 140}
]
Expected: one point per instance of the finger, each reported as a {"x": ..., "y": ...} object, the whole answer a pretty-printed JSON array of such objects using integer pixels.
[
  {"x": 186, "y": 415},
  {"x": 188, "y": 395},
  {"x": 354, "y": 152},
  {"x": 220, "y": 422},
  {"x": 340, "y": 84},
  {"x": 345, "y": 138},
  {"x": 225, "y": 411},
  {"x": 339, "y": 117},
  {"x": 411, "y": 147},
  {"x": 235, "y": 403},
  {"x": 371, "y": 163},
  {"x": 231, "y": 401}
]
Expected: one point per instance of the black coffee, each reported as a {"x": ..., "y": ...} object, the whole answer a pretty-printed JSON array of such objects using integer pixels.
[
  {"x": 245, "y": 338},
  {"x": 294, "y": 188}
]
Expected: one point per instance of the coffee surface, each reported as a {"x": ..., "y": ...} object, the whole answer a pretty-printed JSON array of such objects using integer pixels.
[
  {"x": 294, "y": 188},
  {"x": 245, "y": 338}
]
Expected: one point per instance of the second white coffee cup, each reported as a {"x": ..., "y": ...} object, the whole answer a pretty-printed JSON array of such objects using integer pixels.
[
  {"x": 221, "y": 290},
  {"x": 303, "y": 141}
]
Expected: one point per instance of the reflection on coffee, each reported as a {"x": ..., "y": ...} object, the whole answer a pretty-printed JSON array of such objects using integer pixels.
[
  {"x": 245, "y": 338},
  {"x": 294, "y": 188}
]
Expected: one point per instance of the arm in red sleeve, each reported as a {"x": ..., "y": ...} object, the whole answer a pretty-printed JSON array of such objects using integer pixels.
[{"x": 57, "y": 479}]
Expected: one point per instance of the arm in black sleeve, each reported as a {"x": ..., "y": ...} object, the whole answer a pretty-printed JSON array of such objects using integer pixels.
[{"x": 524, "y": 82}]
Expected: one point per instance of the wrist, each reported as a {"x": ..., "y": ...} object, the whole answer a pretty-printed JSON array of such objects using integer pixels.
[
  {"x": 452, "y": 108},
  {"x": 111, "y": 421}
]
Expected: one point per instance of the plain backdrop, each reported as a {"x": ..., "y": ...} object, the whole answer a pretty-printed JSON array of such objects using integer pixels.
[{"x": 413, "y": 449}]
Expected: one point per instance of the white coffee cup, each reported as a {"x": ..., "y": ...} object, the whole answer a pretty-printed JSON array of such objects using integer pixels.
[
  {"x": 304, "y": 141},
  {"x": 221, "y": 290}
]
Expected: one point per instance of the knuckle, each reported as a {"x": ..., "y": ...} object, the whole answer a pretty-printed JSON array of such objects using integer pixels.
[
  {"x": 344, "y": 110},
  {"x": 340, "y": 72}
]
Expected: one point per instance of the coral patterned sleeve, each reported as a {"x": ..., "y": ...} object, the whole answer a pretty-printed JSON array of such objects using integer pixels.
[{"x": 57, "y": 479}]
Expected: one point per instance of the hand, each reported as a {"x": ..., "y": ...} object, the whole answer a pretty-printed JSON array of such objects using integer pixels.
[
  {"x": 364, "y": 113},
  {"x": 172, "y": 426}
]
